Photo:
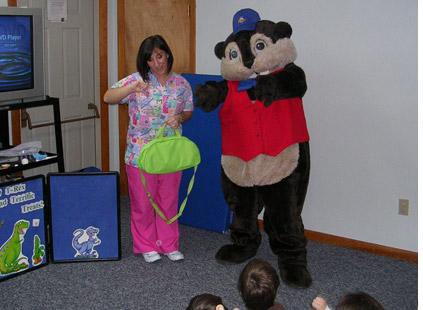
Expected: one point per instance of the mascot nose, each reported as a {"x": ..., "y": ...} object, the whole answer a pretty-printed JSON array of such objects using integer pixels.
[{"x": 249, "y": 63}]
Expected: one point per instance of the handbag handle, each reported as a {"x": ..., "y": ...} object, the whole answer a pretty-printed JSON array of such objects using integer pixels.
[{"x": 160, "y": 133}]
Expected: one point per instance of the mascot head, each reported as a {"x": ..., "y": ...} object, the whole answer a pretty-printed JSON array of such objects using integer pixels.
[{"x": 255, "y": 47}]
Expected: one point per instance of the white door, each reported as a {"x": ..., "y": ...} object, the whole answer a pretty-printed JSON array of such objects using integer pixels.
[{"x": 70, "y": 76}]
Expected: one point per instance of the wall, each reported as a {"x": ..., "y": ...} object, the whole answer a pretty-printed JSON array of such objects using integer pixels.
[
  {"x": 360, "y": 58},
  {"x": 112, "y": 66}
]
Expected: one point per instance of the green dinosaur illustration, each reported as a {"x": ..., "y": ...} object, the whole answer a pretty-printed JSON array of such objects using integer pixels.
[
  {"x": 11, "y": 251},
  {"x": 38, "y": 251}
]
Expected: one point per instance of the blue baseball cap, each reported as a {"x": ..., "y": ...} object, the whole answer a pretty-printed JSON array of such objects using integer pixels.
[{"x": 245, "y": 19}]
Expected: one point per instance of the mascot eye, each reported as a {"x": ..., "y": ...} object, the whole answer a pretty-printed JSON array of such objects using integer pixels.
[
  {"x": 259, "y": 46},
  {"x": 233, "y": 53}
]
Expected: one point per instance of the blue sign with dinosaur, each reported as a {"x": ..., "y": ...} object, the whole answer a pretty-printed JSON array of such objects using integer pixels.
[
  {"x": 22, "y": 226},
  {"x": 84, "y": 212}
]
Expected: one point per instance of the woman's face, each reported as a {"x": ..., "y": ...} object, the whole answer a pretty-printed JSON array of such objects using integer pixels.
[{"x": 158, "y": 63}]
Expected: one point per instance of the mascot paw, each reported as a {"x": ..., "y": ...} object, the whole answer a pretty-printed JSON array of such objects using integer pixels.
[
  {"x": 207, "y": 97},
  {"x": 266, "y": 89},
  {"x": 295, "y": 276},
  {"x": 234, "y": 254}
]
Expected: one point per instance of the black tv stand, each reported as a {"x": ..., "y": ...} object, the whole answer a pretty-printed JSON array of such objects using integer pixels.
[{"x": 4, "y": 135}]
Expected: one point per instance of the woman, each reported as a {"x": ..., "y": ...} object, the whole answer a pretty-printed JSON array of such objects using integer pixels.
[{"x": 155, "y": 95}]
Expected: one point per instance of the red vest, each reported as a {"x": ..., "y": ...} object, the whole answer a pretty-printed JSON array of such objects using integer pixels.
[{"x": 250, "y": 129}]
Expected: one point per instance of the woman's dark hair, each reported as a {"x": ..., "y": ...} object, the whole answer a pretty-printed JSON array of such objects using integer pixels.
[
  {"x": 146, "y": 49},
  {"x": 205, "y": 302},
  {"x": 258, "y": 284},
  {"x": 358, "y": 301}
]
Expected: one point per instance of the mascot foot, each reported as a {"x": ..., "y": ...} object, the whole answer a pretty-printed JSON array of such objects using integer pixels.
[
  {"x": 295, "y": 276},
  {"x": 234, "y": 254}
]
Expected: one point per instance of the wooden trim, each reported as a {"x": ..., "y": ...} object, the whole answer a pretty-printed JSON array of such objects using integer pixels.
[
  {"x": 16, "y": 127},
  {"x": 104, "y": 83},
  {"x": 16, "y": 114},
  {"x": 121, "y": 38},
  {"x": 192, "y": 65},
  {"x": 359, "y": 245}
]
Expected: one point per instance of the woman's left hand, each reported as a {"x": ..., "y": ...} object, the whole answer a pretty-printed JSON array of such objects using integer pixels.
[{"x": 174, "y": 121}]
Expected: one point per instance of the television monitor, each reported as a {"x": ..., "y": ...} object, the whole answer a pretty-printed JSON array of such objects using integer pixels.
[{"x": 22, "y": 76}]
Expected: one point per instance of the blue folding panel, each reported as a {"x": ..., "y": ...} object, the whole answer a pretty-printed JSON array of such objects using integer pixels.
[
  {"x": 85, "y": 217},
  {"x": 206, "y": 207},
  {"x": 23, "y": 229}
]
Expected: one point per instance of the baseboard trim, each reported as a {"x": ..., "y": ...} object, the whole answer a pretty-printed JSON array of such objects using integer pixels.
[{"x": 360, "y": 245}]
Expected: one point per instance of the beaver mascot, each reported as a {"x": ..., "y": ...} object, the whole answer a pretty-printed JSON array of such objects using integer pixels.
[{"x": 265, "y": 148}]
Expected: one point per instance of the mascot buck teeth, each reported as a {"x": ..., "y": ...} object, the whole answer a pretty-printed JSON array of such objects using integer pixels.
[{"x": 265, "y": 148}]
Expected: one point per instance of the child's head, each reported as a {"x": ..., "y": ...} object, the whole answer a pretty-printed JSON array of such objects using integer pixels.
[
  {"x": 358, "y": 301},
  {"x": 206, "y": 302},
  {"x": 258, "y": 284}
]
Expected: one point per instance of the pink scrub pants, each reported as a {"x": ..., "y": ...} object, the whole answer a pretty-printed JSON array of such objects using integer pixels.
[{"x": 149, "y": 231}]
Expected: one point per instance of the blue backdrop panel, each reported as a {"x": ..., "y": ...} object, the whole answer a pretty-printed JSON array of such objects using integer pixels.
[
  {"x": 206, "y": 207},
  {"x": 85, "y": 218},
  {"x": 22, "y": 226}
]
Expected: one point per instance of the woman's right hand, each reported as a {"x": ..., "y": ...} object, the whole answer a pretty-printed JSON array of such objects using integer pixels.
[
  {"x": 139, "y": 87},
  {"x": 115, "y": 95}
]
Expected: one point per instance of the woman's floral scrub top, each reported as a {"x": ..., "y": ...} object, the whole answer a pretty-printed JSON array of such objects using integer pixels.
[{"x": 148, "y": 113}]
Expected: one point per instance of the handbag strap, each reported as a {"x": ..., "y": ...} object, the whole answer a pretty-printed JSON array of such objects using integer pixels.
[{"x": 182, "y": 207}]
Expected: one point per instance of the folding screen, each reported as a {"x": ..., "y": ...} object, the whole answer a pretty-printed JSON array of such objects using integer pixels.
[
  {"x": 206, "y": 207},
  {"x": 22, "y": 226},
  {"x": 85, "y": 220}
]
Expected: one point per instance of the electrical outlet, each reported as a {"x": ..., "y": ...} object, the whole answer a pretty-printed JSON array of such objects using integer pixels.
[{"x": 403, "y": 207}]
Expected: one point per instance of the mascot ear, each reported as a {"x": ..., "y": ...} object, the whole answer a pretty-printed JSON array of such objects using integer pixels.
[
  {"x": 282, "y": 30},
  {"x": 219, "y": 50}
]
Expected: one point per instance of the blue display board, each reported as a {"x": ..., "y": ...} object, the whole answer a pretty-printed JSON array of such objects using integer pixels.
[
  {"x": 22, "y": 226},
  {"x": 85, "y": 216},
  {"x": 206, "y": 207}
]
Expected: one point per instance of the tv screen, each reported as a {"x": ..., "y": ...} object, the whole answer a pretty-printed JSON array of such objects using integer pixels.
[
  {"x": 16, "y": 61},
  {"x": 21, "y": 55}
]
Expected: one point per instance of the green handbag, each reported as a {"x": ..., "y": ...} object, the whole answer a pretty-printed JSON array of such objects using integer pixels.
[{"x": 167, "y": 155}]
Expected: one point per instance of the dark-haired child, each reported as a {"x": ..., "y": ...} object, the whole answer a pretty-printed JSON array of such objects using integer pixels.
[
  {"x": 258, "y": 285},
  {"x": 351, "y": 301},
  {"x": 207, "y": 302}
]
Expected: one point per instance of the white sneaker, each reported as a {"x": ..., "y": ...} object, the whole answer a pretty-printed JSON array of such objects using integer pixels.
[
  {"x": 175, "y": 256},
  {"x": 151, "y": 257}
]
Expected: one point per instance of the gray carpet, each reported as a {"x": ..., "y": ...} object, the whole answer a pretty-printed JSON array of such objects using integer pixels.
[{"x": 130, "y": 283}]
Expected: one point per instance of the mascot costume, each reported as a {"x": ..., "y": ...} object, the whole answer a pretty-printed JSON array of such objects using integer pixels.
[{"x": 265, "y": 149}]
